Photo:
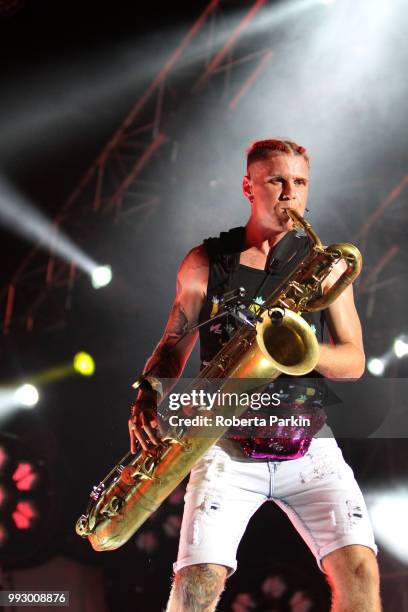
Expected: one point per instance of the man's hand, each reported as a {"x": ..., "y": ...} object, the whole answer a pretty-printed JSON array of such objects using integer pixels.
[{"x": 143, "y": 422}]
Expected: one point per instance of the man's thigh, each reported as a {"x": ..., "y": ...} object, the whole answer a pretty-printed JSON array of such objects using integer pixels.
[
  {"x": 221, "y": 497},
  {"x": 323, "y": 500}
]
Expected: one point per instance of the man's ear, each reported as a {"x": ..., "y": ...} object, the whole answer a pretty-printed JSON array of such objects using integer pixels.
[{"x": 247, "y": 187}]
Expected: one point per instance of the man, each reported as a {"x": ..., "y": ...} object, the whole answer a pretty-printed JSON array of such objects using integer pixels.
[{"x": 317, "y": 489}]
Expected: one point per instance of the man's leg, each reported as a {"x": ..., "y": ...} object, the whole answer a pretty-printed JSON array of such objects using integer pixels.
[
  {"x": 197, "y": 588},
  {"x": 352, "y": 573},
  {"x": 321, "y": 497},
  {"x": 221, "y": 496}
]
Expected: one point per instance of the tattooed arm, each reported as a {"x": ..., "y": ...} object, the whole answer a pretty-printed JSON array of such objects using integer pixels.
[
  {"x": 168, "y": 360},
  {"x": 192, "y": 278}
]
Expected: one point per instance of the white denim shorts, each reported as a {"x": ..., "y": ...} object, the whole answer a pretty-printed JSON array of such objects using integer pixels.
[{"x": 318, "y": 492}]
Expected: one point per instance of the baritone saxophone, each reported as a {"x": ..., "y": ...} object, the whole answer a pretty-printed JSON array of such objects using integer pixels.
[{"x": 139, "y": 483}]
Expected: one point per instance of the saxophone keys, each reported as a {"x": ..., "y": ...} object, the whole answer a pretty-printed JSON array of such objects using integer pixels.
[
  {"x": 127, "y": 474},
  {"x": 186, "y": 446},
  {"x": 82, "y": 526},
  {"x": 114, "y": 507},
  {"x": 97, "y": 491},
  {"x": 91, "y": 523},
  {"x": 291, "y": 304},
  {"x": 145, "y": 469}
]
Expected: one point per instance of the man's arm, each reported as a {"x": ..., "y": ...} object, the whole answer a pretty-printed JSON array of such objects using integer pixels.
[
  {"x": 344, "y": 359},
  {"x": 171, "y": 353},
  {"x": 192, "y": 278}
]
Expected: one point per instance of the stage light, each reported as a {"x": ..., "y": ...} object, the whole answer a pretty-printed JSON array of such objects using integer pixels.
[
  {"x": 388, "y": 513},
  {"x": 401, "y": 346},
  {"x": 20, "y": 216},
  {"x": 24, "y": 476},
  {"x": 84, "y": 364},
  {"x": 26, "y": 395},
  {"x": 376, "y": 366},
  {"x": 101, "y": 276},
  {"x": 171, "y": 525},
  {"x": 147, "y": 541},
  {"x": 28, "y": 497},
  {"x": 24, "y": 515}
]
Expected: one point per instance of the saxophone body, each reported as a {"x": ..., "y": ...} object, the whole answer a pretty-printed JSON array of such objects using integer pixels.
[{"x": 281, "y": 342}]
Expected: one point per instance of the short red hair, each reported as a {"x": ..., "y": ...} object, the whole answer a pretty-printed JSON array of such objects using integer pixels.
[{"x": 261, "y": 149}]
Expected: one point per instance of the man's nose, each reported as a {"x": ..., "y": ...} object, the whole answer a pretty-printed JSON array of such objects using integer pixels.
[{"x": 288, "y": 192}]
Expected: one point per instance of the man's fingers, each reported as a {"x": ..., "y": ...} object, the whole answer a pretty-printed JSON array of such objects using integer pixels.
[
  {"x": 136, "y": 435},
  {"x": 142, "y": 429},
  {"x": 141, "y": 440},
  {"x": 149, "y": 422},
  {"x": 132, "y": 437},
  {"x": 151, "y": 434}
]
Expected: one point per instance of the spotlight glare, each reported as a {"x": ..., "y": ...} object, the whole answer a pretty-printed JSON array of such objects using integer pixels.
[
  {"x": 388, "y": 513},
  {"x": 401, "y": 347},
  {"x": 21, "y": 216},
  {"x": 84, "y": 364},
  {"x": 376, "y": 366},
  {"x": 26, "y": 395},
  {"x": 101, "y": 276}
]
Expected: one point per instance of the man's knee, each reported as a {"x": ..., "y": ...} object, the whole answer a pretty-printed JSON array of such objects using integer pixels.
[
  {"x": 198, "y": 586},
  {"x": 352, "y": 566}
]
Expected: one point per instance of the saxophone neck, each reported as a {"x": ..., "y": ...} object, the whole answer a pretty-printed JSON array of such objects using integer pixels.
[{"x": 301, "y": 223}]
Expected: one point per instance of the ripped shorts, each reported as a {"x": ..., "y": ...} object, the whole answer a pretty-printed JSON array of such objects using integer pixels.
[{"x": 318, "y": 492}]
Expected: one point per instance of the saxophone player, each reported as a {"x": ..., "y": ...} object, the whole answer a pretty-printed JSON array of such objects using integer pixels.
[{"x": 309, "y": 480}]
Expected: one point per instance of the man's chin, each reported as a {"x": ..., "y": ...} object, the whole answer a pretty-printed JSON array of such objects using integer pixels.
[
  {"x": 286, "y": 224},
  {"x": 280, "y": 228},
  {"x": 279, "y": 225}
]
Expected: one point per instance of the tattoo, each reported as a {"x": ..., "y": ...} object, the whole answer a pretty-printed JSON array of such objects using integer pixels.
[
  {"x": 165, "y": 360},
  {"x": 197, "y": 588},
  {"x": 179, "y": 323}
]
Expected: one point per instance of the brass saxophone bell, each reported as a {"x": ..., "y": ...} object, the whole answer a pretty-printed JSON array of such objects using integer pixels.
[{"x": 287, "y": 341}]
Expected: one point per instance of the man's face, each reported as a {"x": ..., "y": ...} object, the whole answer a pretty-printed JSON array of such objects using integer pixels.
[{"x": 273, "y": 184}]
